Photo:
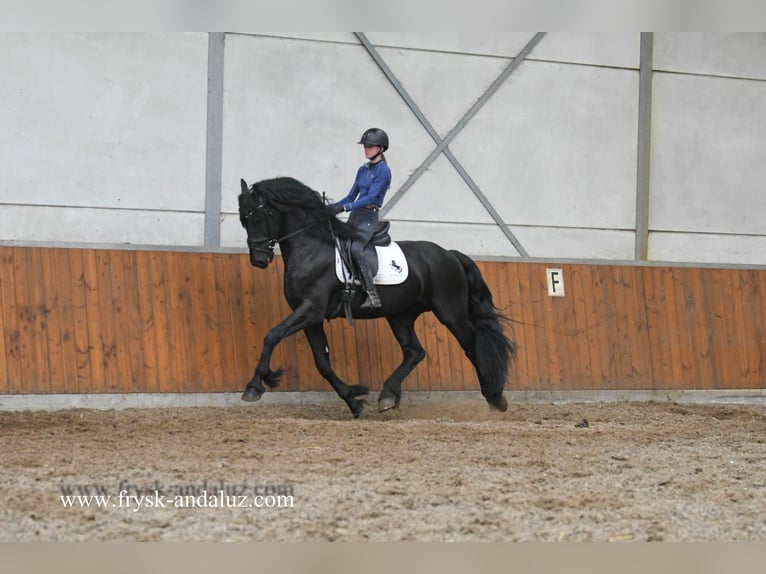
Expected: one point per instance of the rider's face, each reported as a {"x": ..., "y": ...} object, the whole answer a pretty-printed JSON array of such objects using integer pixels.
[{"x": 370, "y": 151}]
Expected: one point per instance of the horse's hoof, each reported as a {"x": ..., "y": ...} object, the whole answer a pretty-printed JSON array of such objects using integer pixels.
[
  {"x": 386, "y": 404},
  {"x": 499, "y": 403},
  {"x": 358, "y": 409},
  {"x": 251, "y": 395}
]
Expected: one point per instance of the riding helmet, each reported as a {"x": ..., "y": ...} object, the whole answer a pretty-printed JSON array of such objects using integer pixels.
[{"x": 375, "y": 136}]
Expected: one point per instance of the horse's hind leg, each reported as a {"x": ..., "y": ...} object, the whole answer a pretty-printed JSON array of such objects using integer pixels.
[
  {"x": 403, "y": 327},
  {"x": 318, "y": 341}
]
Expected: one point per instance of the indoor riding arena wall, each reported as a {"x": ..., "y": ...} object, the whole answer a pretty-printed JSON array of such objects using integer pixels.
[
  {"x": 632, "y": 162},
  {"x": 80, "y": 320}
]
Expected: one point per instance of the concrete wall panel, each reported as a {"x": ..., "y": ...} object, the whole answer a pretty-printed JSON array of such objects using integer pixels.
[
  {"x": 101, "y": 226},
  {"x": 715, "y": 54},
  {"x": 556, "y": 146},
  {"x": 708, "y": 150},
  {"x": 707, "y": 248},
  {"x": 103, "y": 120},
  {"x": 297, "y": 108}
]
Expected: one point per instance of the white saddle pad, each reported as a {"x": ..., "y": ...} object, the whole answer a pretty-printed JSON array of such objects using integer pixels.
[{"x": 392, "y": 266}]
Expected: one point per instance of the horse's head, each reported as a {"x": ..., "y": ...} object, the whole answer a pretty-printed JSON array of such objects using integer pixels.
[{"x": 261, "y": 225}]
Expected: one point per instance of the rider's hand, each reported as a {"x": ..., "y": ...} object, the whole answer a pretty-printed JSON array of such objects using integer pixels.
[{"x": 336, "y": 208}]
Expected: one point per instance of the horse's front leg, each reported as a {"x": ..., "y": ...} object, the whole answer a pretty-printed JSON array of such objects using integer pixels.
[
  {"x": 296, "y": 321},
  {"x": 318, "y": 341}
]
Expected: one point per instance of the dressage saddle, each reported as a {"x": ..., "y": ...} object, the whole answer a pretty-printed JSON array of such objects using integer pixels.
[{"x": 381, "y": 237}]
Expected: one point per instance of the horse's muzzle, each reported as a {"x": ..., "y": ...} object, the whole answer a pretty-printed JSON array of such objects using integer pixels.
[{"x": 259, "y": 259}]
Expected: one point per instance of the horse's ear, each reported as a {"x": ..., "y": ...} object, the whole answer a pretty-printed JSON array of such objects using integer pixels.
[{"x": 243, "y": 183}]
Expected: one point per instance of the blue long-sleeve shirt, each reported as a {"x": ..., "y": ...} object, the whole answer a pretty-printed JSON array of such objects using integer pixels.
[{"x": 370, "y": 186}]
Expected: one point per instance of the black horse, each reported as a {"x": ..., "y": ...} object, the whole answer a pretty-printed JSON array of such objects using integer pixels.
[{"x": 448, "y": 283}]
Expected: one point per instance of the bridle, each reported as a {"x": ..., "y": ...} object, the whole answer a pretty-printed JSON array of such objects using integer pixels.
[{"x": 272, "y": 239}]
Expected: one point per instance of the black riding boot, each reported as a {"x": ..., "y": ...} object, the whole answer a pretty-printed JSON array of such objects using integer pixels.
[{"x": 373, "y": 299}]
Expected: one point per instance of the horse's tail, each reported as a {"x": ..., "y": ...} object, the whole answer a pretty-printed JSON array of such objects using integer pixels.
[{"x": 492, "y": 350}]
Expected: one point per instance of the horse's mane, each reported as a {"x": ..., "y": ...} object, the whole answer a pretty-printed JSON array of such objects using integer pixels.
[{"x": 286, "y": 194}]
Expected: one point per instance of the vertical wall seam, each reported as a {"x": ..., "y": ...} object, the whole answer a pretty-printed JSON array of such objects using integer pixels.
[
  {"x": 214, "y": 140},
  {"x": 643, "y": 159}
]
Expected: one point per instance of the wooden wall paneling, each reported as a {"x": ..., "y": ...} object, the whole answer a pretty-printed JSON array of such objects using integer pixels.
[
  {"x": 667, "y": 335},
  {"x": 526, "y": 355},
  {"x": 31, "y": 305},
  {"x": 159, "y": 277},
  {"x": 72, "y": 259},
  {"x": 580, "y": 369},
  {"x": 599, "y": 319},
  {"x": 752, "y": 313},
  {"x": 532, "y": 349},
  {"x": 578, "y": 290},
  {"x": 198, "y": 327},
  {"x": 4, "y": 330},
  {"x": 674, "y": 367},
  {"x": 80, "y": 320},
  {"x": 717, "y": 328},
  {"x": 198, "y": 333},
  {"x": 549, "y": 321},
  {"x": 63, "y": 284},
  {"x": 120, "y": 323},
  {"x": 233, "y": 337},
  {"x": 652, "y": 313},
  {"x": 535, "y": 330},
  {"x": 145, "y": 317},
  {"x": 639, "y": 360},
  {"x": 597, "y": 328},
  {"x": 682, "y": 293},
  {"x": 625, "y": 328},
  {"x": 734, "y": 339},
  {"x": 197, "y": 366},
  {"x": 176, "y": 342},
  {"x": 105, "y": 292},
  {"x": 208, "y": 296},
  {"x": 642, "y": 363},
  {"x": 50, "y": 322},
  {"x": 135, "y": 349},
  {"x": 614, "y": 317},
  {"x": 746, "y": 296},
  {"x": 760, "y": 326},
  {"x": 10, "y": 373},
  {"x": 687, "y": 285},
  {"x": 698, "y": 317},
  {"x": 662, "y": 345}
]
